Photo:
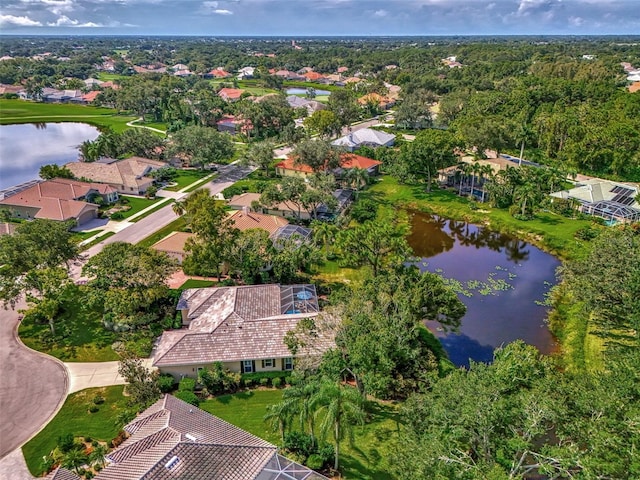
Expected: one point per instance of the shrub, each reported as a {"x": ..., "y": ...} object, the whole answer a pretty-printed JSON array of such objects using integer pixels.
[
  {"x": 264, "y": 381},
  {"x": 95, "y": 443},
  {"x": 276, "y": 382},
  {"x": 117, "y": 216},
  {"x": 315, "y": 462},
  {"x": 166, "y": 383},
  {"x": 93, "y": 408},
  {"x": 326, "y": 451},
  {"x": 89, "y": 474},
  {"x": 217, "y": 380},
  {"x": 187, "y": 385},
  {"x": 287, "y": 379},
  {"x": 587, "y": 233},
  {"x": 188, "y": 397},
  {"x": 232, "y": 191},
  {"x": 66, "y": 443},
  {"x": 88, "y": 440},
  {"x": 98, "y": 399},
  {"x": 363, "y": 210},
  {"x": 248, "y": 382},
  {"x": 299, "y": 442}
]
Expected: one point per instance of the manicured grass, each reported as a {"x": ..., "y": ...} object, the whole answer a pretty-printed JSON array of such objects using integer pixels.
[
  {"x": 75, "y": 418},
  {"x": 80, "y": 236},
  {"x": 106, "y": 76},
  {"x": 187, "y": 177},
  {"x": 553, "y": 233},
  {"x": 138, "y": 204},
  {"x": 177, "y": 225},
  {"x": 80, "y": 335},
  {"x": 155, "y": 208},
  {"x": 199, "y": 183},
  {"x": 366, "y": 458},
  {"x": 259, "y": 91},
  {"x": 20, "y": 111},
  {"x": 194, "y": 283},
  {"x": 331, "y": 272}
]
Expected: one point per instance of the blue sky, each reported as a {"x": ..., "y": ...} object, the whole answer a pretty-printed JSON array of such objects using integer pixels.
[{"x": 320, "y": 17}]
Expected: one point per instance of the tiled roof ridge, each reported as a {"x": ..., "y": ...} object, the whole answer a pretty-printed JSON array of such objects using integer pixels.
[{"x": 186, "y": 333}]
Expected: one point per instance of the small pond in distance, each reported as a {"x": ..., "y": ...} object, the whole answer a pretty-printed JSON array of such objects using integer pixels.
[
  {"x": 467, "y": 252},
  {"x": 25, "y": 148},
  {"x": 303, "y": 91}
]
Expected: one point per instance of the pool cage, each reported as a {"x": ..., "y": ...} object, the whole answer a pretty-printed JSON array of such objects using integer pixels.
[
  {"x": 298, "y": 299},
  {"x": 611, "y": 211},
  {"x": 291, "y": 232}
]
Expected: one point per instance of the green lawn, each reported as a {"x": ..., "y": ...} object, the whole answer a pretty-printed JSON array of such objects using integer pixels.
[
  {"x": 81, "y": 236},
  {"x": 106, "y": 76},
  {"x": 75, "y": 418},
  {"x": 177, "y": 225},
  {"x": 80, "y": 335},
  {"x": 551, "y": 232},
  {"x": 366, "y": 459},
  {"x": 138, "y": 204},
  {"x": 20, "y": 111},
  {"x": 187, "y": 177},
  {"x": 160, "y": 204},
  {"x": 199, "y": 184},
  {"x": 194, "y": 283}
]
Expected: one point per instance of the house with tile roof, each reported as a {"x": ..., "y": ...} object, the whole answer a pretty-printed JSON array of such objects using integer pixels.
[
  {"x": 218, "y": 73},
  {"x": 243, "y": 219},
  {"x": 243, "y": 327},
  {"x": 174, "y": 440},
  {"x": 59, "y": 199},
  {"x": 383, "y": 102},
  {"x": 230, "y": 94},
  {"x": 290, "y": 167},
  {"x": 250, "y": 201},
  {"x": 125, "y": 176},
  {"x": 312, "y": 106},
  {"x": 365, "y": 137}
]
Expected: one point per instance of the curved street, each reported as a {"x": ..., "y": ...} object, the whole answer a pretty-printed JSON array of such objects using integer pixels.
[{"x": 33, "y": 386}]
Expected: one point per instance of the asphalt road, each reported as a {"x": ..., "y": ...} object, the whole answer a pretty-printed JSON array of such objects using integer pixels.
[
  {"x": 32, "y": 389},
  {"x": 229, "y": 174}
]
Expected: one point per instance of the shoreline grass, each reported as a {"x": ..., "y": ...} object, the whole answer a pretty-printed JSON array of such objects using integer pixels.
[{"x": 22, "y": 111}]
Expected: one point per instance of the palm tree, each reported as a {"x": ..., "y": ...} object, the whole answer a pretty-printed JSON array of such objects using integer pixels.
[
  {"x": 464, "y": 168},
  {"x": 324, "y": 233},
  {"x": 89, "y": 151},
  {"x": 357, "y": 178},
  {"x": 474, "y": 170},
  {"x": 98, "y": 455},
  {"x": 340, "y": 407},
  {"x": 279, "y": 415},
  {"x": 302, "y": 394},
  {"x": 74, "y": 459},
  {"x": 488, "y": 171},
  {"x": 178, "y": 208}
]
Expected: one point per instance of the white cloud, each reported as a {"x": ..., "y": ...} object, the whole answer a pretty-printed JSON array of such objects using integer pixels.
[
  {"x": 222, "y": 11},
  {"x": 21, "y": 21},
  {"x": 210, "y": 4},
  {"x": 63, "y": 21},
  {"x": 380, "y": 13},
  {"x": 89, "y": 25}
]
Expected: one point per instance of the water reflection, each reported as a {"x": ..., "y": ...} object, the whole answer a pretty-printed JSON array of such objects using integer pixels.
[
  {"x": 471, "y": 253},
  {"x": 25, "y": 148}
]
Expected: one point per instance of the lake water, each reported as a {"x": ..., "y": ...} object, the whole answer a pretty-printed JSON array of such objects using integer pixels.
[
  {"x": 25, "y": 148},
  {"x": 467, "y": 252},
  {"x": 303, "y": 91}
]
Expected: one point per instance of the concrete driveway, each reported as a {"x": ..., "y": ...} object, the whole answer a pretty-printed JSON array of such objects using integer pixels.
[{"x": 32, "y": 389}]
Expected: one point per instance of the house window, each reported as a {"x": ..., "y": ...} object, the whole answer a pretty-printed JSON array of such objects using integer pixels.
[
  {"x": 269, "y": 363},
  {"x": 247, "y": 366},
  {"x": 287, "y": 363}
]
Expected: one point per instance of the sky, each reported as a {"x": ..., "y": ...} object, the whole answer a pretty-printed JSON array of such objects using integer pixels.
[{"x": 320, "y": 17}]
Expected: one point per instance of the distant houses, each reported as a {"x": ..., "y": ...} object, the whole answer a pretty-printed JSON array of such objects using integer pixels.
[{"x": 290, "y": 167}]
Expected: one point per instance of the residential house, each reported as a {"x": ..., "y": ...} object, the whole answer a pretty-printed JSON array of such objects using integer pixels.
[
  {"x": 91, "y": 96},
  {"x": 243, "y": 219},
  {"x": 58, "y": 199},
  {"x": 251, "y": 202},
  {"x": 218, "y": 73},
  {"x": 15, "y": 89},
  {"x": 390, "y": 67},
  {"x": 634, "y": 87},
  {"x": 334, "y": 78},
  {"x": 174, "y": 245},
  {"x": 92, "y": 82},
  {"x": 230, "y": 94},
  {"x": 365, "y": 137},
  {"x": 312, "y": 106},
  {"x": 289, "y": 167},
  {"x": 231, "y": 124},
  {"x": 383, "y": 102},
  {"x": 179, "y": 66},
  {"x": 288, "y": 75},
  {"x": 613, "y": 201},
  {"x": 173, "y": 439},
  {"x": 242, "y": 327},
  {"x": 342, "y": 69},
  {"x": 126, "y": 176},
  {"x": 246, "y": 73},
  {"x": 313, "y": 76},
  {"x": 352, "y": 80}
]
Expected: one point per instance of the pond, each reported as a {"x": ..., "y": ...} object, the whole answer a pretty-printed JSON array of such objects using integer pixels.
[
  {"x": 507, "y": 278},
  {"x": 25, "y": 148},
  {"x": 303, "y": 91}
]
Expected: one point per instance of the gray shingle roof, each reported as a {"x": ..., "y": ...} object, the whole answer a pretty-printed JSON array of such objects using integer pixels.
[
  {"x": 62, "y": 474},
  {"x": 173, "y": 440},
  {"x": 230, "y": 324},
  {"x": 364, "y": 136}
]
